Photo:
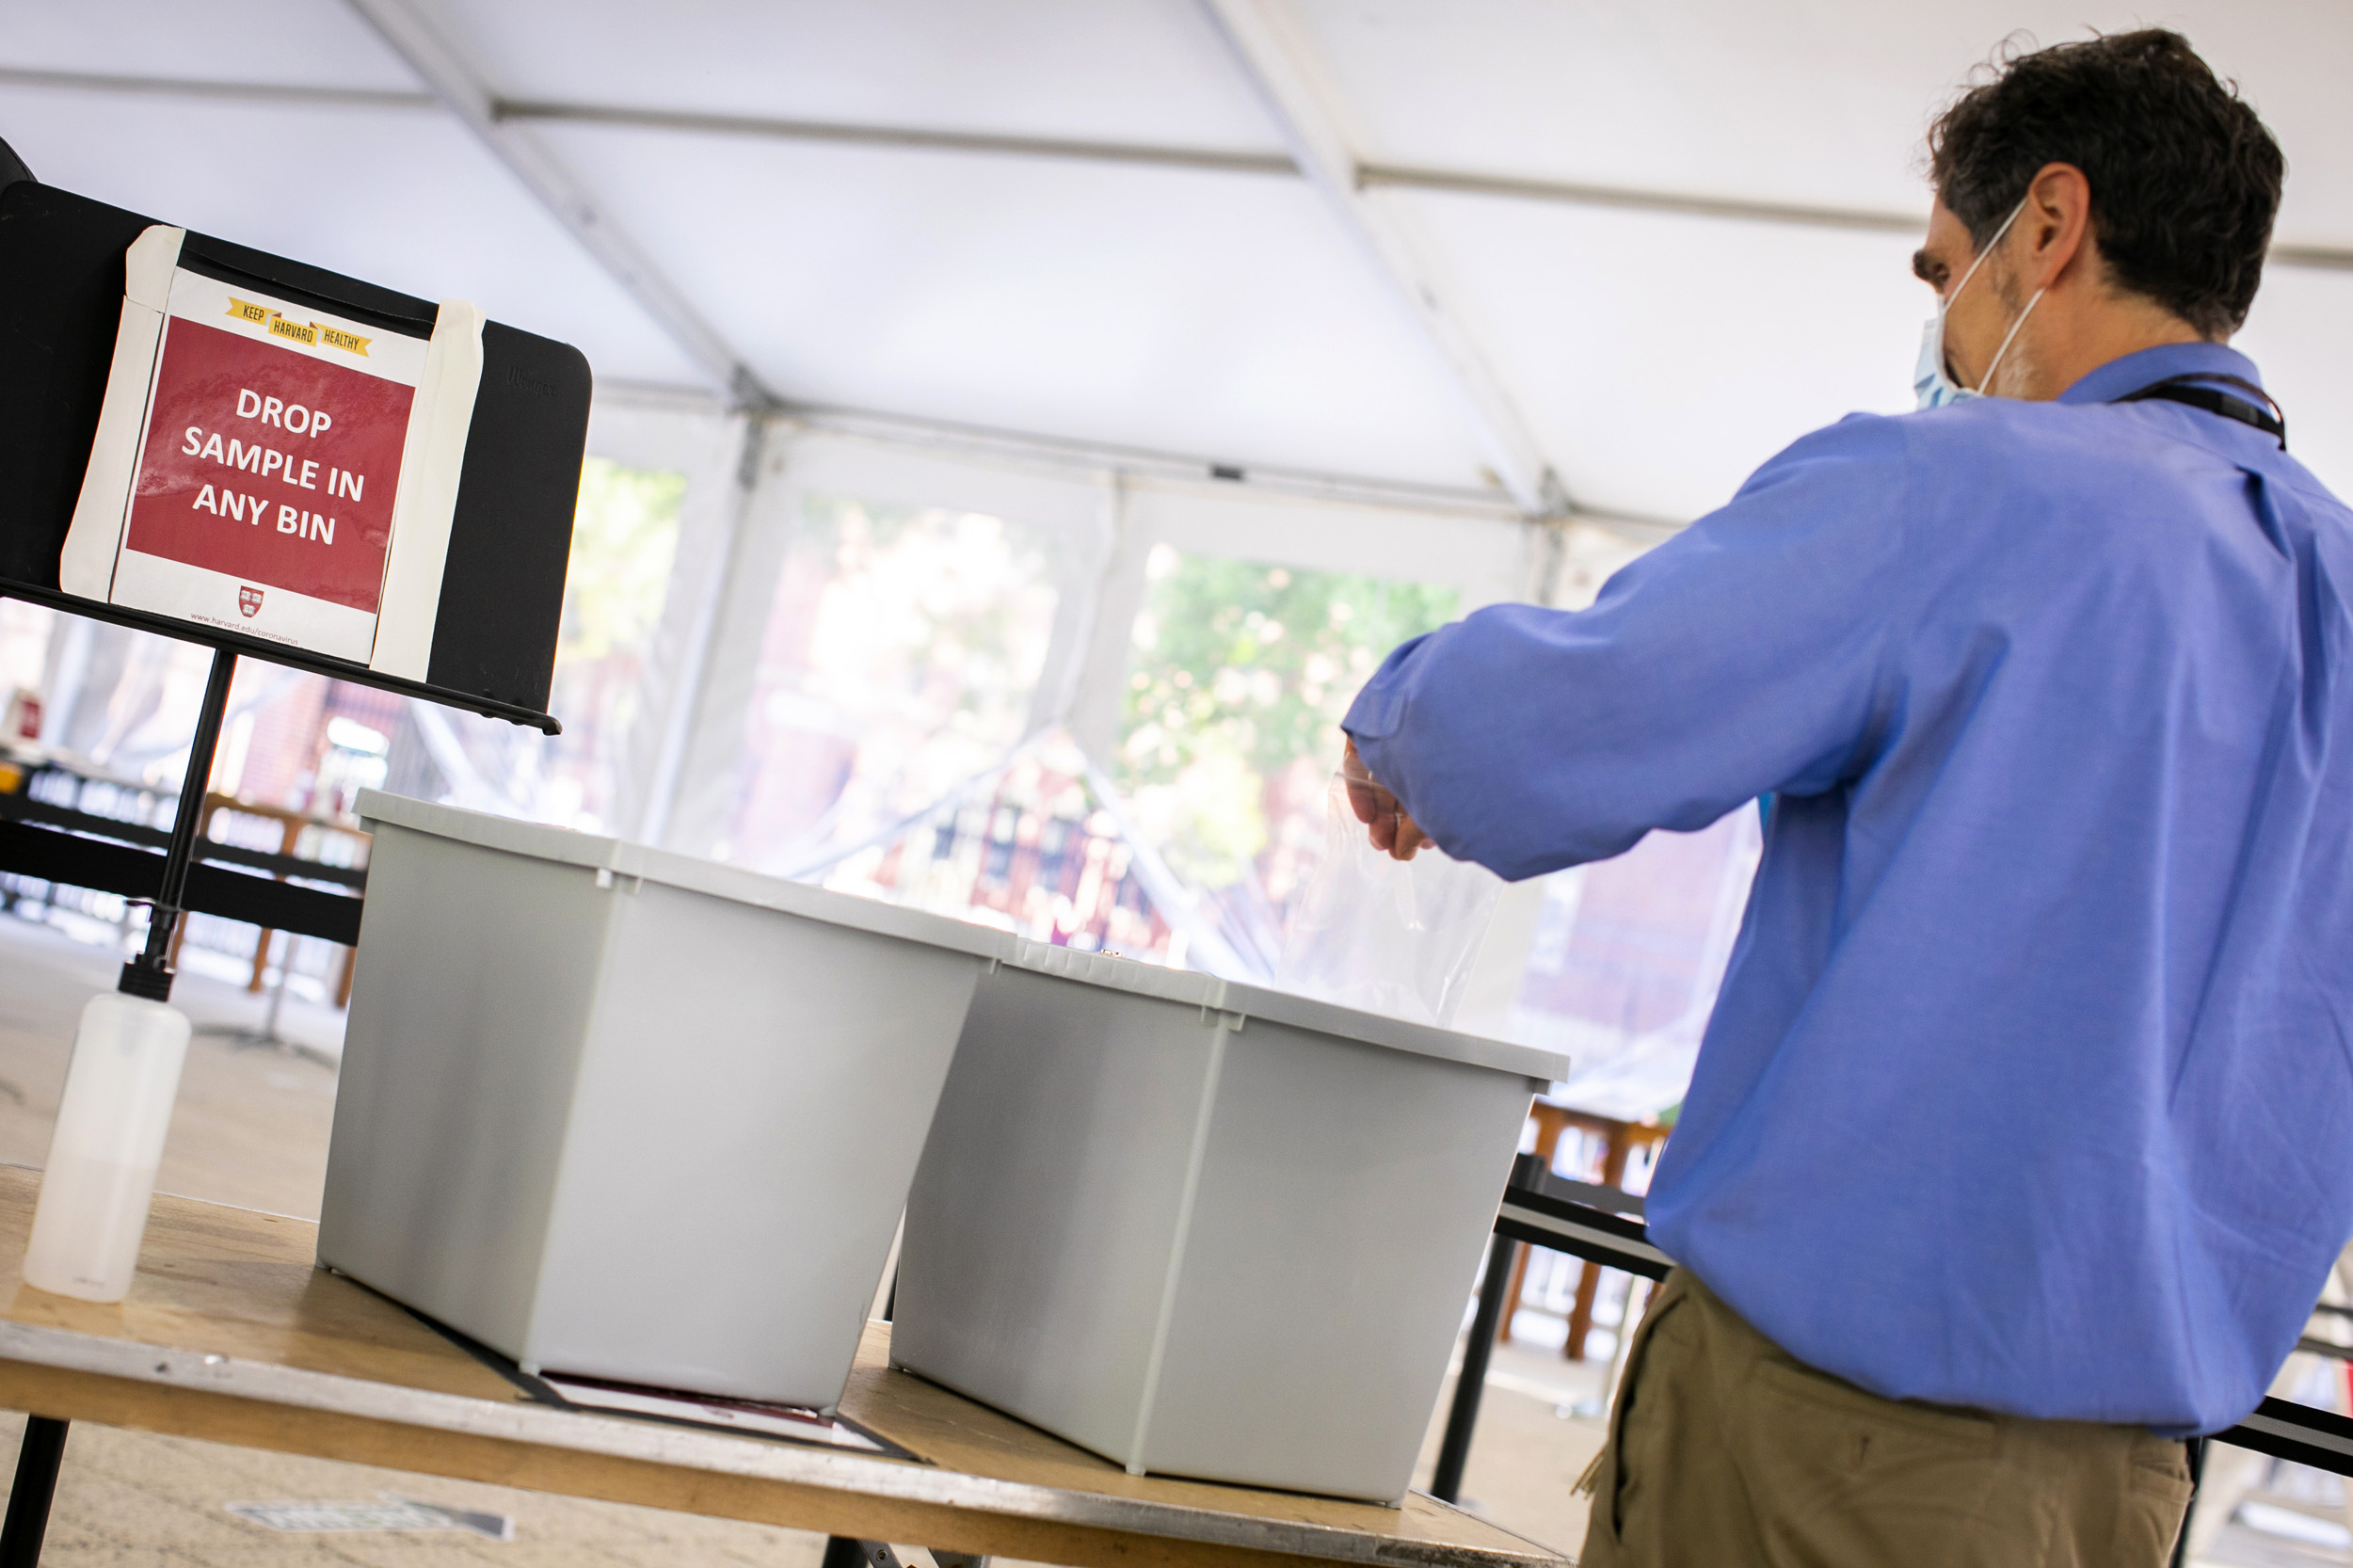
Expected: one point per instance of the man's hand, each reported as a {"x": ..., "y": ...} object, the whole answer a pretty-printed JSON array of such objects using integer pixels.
[{"x": 1392, "y": 831}]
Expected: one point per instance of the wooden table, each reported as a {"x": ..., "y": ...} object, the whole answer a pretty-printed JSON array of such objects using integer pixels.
[{"x": 231, "y": 1334}]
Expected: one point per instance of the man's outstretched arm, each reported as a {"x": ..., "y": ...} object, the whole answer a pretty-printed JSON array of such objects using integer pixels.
[{"x": 1749, "y": 653}]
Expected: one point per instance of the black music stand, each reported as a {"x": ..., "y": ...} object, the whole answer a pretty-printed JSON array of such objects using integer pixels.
[{"x": 493, "y": 647}]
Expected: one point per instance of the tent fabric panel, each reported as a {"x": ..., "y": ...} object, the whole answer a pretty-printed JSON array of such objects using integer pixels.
[
  {"x": 407, "y": 198},
  {"x": 1122, "y": 71},
  {"x": 1163, "y": 308},
  {"x": 286, "y": 43},
  {"x": 1823, "y": 103},
  {"x": 1662, "y": 358}
]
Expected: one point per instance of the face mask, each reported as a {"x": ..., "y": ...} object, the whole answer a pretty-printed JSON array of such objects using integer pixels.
[{"x": 1930, "y": 383}]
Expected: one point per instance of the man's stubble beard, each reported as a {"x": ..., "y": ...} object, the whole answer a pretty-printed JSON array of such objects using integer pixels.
[
  {"x": 2017, "y": 375},
  {"x": 2019, "y": 372}
]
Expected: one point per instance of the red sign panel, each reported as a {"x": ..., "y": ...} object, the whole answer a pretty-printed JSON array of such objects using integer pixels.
[{"x": 269, "y": 466}]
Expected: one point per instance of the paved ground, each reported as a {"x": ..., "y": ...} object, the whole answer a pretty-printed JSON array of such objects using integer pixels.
[
  {"x": 131, "y": 1498},
  {"x": 252, "y": 1129}
]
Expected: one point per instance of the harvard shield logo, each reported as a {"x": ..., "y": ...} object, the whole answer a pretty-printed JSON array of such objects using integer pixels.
[{"x": 248, "y": 602}]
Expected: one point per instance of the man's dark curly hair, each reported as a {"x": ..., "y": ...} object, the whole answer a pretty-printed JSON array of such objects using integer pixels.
[{"x": 2185, "y": 179}]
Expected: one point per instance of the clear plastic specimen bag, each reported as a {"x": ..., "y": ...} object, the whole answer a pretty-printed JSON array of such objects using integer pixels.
[{"x": 1387, "y": 935}]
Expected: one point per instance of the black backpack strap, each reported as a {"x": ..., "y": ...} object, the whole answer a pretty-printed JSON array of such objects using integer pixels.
[{"x": 2187, "y": 389}]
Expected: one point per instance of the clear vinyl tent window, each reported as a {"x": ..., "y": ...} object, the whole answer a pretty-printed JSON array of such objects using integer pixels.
[
  {"x": 1027, "y": 848},
  {"x": 1240, "y": 674},
  {"x": 24, "y": 636},
  {"x": 1091, "y": 708},
  {"x": 625, "y": 540},
  {"x": 901, "y": 650},
  {"x": 617, "y": 589},
  {"x": 1625, "y": 960}
]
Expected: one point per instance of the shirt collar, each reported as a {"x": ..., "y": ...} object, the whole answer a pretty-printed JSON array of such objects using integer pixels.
[{"x": 2148, "y": 366}]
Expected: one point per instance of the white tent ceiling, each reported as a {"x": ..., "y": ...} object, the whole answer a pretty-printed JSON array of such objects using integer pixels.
[{"x": 1202, "y": 294}]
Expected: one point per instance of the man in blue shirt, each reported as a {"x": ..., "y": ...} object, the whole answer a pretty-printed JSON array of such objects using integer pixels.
[{"x": 2021, "y": 1139}]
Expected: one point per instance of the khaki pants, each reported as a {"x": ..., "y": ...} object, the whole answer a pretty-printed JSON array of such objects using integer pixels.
[{"x": 1725, "y": 1450}]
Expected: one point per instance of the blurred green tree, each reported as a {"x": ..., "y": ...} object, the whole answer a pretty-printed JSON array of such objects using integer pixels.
[
  {"x": 1241, "y": 670},
  {"x": 624, "y": 540}
]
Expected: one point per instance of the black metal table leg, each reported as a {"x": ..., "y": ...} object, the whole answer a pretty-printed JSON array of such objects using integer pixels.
[
  {"x": 36, "y": 1459},
  {"x": 1454, "y": 1449}
]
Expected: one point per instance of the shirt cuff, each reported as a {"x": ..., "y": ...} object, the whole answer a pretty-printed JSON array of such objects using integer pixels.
[{"x": 1379, "y": 710}]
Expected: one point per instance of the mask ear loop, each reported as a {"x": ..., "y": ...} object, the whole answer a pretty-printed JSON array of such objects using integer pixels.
[
  {"x": 1987, "y": 379},
  {"x": 1945, "y": 304},
  {"x": 1979, "y": 260}
]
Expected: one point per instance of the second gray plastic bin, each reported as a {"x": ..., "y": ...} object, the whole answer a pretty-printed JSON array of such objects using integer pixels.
[
  {"x": 1205, "y": 1229},
  {"x": 629, "y": 1114}
]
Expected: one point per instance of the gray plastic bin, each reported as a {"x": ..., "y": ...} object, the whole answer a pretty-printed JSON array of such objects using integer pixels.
[
  {"x": 629, "y": 1115},
  {"x": 1205, "y": 1229}
]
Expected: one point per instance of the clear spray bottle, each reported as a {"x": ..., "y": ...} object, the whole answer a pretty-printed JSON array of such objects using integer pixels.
[{"x": 120, "y": 1084}]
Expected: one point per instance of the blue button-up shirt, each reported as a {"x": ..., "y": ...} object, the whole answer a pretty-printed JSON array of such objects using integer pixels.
[{"x": 2030, "y": 1085}]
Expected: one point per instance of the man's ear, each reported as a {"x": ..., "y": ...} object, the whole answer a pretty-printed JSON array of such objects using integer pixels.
[{"x": 2058, "y": 222}]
